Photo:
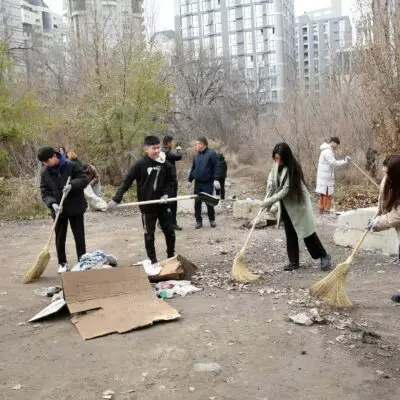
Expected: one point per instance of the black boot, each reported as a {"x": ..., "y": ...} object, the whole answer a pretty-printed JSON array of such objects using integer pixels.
[
  {"x": 291, "y": 266},
  {"x": 396, "y": 297},
  {"x": 326, "y": 263}
]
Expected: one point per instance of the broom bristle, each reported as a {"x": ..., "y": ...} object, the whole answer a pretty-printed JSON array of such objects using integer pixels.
[
  {"x": 240, "y": 272},
  {"x": 36, "y": 270},
  {"x": 333, "y": 287}
]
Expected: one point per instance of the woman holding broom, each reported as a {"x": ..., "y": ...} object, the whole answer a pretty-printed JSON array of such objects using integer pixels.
[
  {"x": 389, "y": 200},
  {"x": 286, "y": 188}
]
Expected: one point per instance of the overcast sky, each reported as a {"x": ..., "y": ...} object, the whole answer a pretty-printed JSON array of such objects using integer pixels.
[{"x": 165, "y": 9}]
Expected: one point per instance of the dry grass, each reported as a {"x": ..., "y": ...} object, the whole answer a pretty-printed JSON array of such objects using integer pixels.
[{"x": 20, "y": 199}]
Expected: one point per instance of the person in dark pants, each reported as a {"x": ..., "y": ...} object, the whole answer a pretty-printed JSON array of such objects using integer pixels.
[
  {"x": 155, "y": 180},
  {"x": 172, "y": 157},
  {"x": 205, "y": 173},
  {"x": 287, "y": 188},
  {"x": 54, "y": 177},
  {"x": 223, "y": 168}
]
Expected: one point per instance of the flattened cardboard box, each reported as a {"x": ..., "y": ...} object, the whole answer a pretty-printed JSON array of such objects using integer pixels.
[{"x": 115, "y": 300}]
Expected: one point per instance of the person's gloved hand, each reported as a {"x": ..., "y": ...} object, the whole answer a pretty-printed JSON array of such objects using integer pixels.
[
  {"x": 178, "y": 148},
  {"x": 56, "y": 208},
  {"x": 372, "y": 224},
  {"x": 217, "y": 185},
  {"x": 266, "y": 204},
  {"x": 347, "y": 159},
  {"x": 163, "y": 199},
  {"x": 111, "y": 205},
  {"x": 67, "y": 189}
]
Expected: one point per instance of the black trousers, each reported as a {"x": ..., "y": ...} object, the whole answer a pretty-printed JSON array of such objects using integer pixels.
[
  {"x": 205, "y": 187},
  {"x": 78, "y": 230},
  {"x": 173, "y": 206},
  {"x": 149, "y": 221},
  {"x": 313, "y": 244},
  {"x": 222, "y": 191}
]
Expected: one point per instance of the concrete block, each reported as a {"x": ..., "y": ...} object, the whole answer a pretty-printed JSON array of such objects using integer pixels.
[{"x": 351, "y": 226}]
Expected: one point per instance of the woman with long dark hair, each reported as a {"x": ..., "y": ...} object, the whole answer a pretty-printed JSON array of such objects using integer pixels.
[
  {"x": 287, "y": 189},
  {"x": 390, "y": 204}
]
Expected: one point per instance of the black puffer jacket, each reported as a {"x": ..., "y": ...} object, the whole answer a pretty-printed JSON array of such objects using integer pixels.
[
  {"x": 153, "y": 179},
  {"x": 53, "y": 181}
]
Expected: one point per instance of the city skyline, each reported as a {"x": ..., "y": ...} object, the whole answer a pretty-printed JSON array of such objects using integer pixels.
[{"x": 165, "y": 9}]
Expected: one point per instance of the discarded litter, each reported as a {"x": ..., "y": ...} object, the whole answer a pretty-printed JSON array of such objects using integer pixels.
[
  {"x": 207, "y": 367},
  {"x": 96, "y": 260},
  {"x": 301, "y": 319},
  {"x": 17, "y": 387},
  {"x": 168, "y": 289},
  {"x": 47, "y": 292},
  {"x": 108, "y": 394}
]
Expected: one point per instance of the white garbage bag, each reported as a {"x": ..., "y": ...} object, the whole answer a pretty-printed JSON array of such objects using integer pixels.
[{"x": 95, "y": 202}]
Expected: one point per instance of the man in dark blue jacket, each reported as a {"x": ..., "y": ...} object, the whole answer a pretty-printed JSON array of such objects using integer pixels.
[
  {"x": 55, "y": 173},
  {"x": 205, "y": 173}
]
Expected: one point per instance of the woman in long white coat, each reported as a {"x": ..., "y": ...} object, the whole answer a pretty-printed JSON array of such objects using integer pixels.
[{"x": 326, "y": 173}]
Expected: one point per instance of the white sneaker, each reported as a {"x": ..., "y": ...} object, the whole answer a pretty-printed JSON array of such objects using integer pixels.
[{"x": 62, "y": 268}]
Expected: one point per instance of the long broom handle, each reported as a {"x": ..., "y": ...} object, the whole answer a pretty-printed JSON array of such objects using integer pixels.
[
  {"x": 252, "y": 228},
  {"x": 361, "y": 241},
  {"x": 58, "y": 213},
  {"x": 365, "y": 174},
  {"x": 157, "y": 201}
]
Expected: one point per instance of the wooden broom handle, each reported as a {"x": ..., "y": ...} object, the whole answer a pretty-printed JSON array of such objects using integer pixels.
[
  {"x": 365, "y": 174},
  {"x": 252, "y": 228},
  {"x": 58, "y": 213},
  {"x": 361, "y": 241}
]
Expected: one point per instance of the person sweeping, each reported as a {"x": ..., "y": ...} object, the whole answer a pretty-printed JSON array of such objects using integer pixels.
[
  {"x": 155, "y": 180},
  {"x": 287, "y": 189},
  {"x": 389, "y": 204},
  {"x": 54, "y": 176}
]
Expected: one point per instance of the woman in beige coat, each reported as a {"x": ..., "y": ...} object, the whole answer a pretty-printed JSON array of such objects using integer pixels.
[
  {"x": 287, "y": 190},
  {"x": 389, "y": 204}
]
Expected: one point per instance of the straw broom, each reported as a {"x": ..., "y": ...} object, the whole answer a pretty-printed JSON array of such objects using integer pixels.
[
  {"x": 239, "y": 270},
  {"x": 365, "y": 174},
  {"x": 333, "y": 288},
  {"x": 41, "y": 263}
]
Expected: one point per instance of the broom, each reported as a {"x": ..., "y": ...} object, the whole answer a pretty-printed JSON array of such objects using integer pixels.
[
  {"x": 332, "y": 288},
  {"x": 37, "y": 269},
  {"x": 239, "y": 270},
  {"x": 365, "y": 174}
]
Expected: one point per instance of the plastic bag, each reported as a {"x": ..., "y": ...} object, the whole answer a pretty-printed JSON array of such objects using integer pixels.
[{"x": 95, "y": 202}]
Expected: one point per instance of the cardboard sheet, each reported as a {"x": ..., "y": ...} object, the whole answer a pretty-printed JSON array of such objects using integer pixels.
[{"x": 114, "y": 300}]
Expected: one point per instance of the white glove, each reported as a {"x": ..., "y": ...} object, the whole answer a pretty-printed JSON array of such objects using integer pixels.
[
  {"x": 178, "y": 148},
  {"x": 163, "y": 199},
  {"x": 56, "y": 208},
  {"x": 217, "y": 185},
  {"x": 347, "y": 159},
  {"x": 67, "y": 189},
  {"x": 266, "y": 204},
  {"x": 111, "y": 205}
]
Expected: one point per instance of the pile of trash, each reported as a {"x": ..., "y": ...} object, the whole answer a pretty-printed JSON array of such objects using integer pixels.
[
  {"x": 96, "y": 260},
  {"x": 167, "y": 289}
]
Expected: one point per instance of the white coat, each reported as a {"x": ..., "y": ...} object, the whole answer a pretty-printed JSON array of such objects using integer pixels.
[{"x": 326, "y": 170}]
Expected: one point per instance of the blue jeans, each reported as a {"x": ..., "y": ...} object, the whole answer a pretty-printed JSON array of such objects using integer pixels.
[{"x": 206, "y": 187}]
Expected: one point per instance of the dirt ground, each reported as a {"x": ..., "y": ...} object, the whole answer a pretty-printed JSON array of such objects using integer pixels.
[{"x": 243, "y": 328}]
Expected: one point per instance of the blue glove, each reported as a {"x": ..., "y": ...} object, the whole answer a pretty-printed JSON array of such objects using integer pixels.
[
  {"x": 111, "y": 205},
  {"x": 347, "y": 159}
]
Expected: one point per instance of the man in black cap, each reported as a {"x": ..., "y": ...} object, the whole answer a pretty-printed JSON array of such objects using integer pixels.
[{"x": 55, "y": 173}]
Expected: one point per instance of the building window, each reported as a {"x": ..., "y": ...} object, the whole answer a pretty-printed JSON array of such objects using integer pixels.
[
  {"x": 270, "y": 20},
  {"x": 315, "y": 28},
  {"x": 271, "y": 45},
  {"x": 219, "y": 50},
  {"x": 184, "y": 22},
  {"x": 196, "y": 46},
  {"x": 232, "y": 19},
  {"x": 233, "y": 44},
  {"x": 217, "y": 21},
  {"x": 206, "y": 43},
  {"x": 231, "y": 3},
  {"x": 274, "y": 81},
  {"x": 326, "y": 27},
  {"x": 217, "y": 3},
  {"x": 206, "y": 5},
  {"x": 259, "y": 40},
  {"x": 185, "y": 33},
  {"x": 248, "y": 39},
  {"x": 206, "y": 24},
  {"x": 247, "y": 17},
  {"x": 274, "y": 96},
  {"x": 184, "y": 9},
  {"x": 249, "y": 62},
  {"x": 269, "y": 6},
  {"x": 194, "y": 7}
]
